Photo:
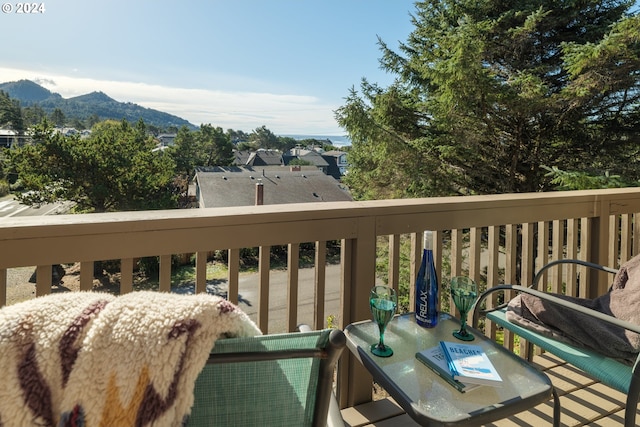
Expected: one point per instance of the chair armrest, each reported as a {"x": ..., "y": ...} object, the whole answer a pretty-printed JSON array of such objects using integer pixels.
[
  {"x": 551, "y": 298},
  {"x": 539, "y": 274},
  {"x": 477, "y": 311},
  {"x": 338, "y": 341}
]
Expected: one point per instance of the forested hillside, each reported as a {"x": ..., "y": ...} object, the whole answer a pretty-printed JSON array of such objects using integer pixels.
[{"x": 83, "y": 107}]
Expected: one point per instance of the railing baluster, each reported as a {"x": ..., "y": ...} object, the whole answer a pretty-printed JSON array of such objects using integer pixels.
[
  {"x": 493, "y": 256},
  {"x": 165, "y": 273},
  {"x": 320, "y": 279},
  {"x": 394, "y": 261},
  {"x": 586, "y": 247},
  {"x": 511, "y": 253},
  {"x": 625, "y": 237},
  {"x": 510, "y": 269},
  {"x": 557, "y": 252},
  {"x": 86, "y": 275},
  {"x": 543, "y": 251},
  {"x": 456, "y": 262},
  {"x": 126, "y": 275},
  {"x": 263, "y": 288},
  {"x": 475, "y": 248},
  {"x": 201, "y": 272},
  {"x": 493, "y": 243},
  {"x": 437, "y": 254},
  {"x": 601, "y": 253},
  {"x": 43, "y": 280},
  {"x": 3, "y": 287},
  {"x": 614, "y": 240},
  {"x": 572, "y": 252},
  {"x": 635, "y": 248},
  {"x": 233, "y": 275},
  {"x": 415, "y": 258},
  {"x": 293, "y": 270},
  {"x": 527, "y": 267}
]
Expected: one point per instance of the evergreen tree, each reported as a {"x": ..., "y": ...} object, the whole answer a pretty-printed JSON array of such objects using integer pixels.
[
  {"x": 489, "y": 92},
  {"x": 262, "y": 137},
  {"x": 216, "y": 145},
  {"x": 185, "y": 152},
  {"x": 58, "y": 117},
  {"x": 33, "y": 115},
  {"x": 11, "y": 114},
  {"x": 112, "y": 170},
  {"x": 92, "y": 120},
  {"x": 208, "y": 146}
]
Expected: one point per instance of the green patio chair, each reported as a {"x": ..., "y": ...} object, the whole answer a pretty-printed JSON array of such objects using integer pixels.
[
  {"x": 608, "y": 370},
  {"x": 270, "y": 380}
]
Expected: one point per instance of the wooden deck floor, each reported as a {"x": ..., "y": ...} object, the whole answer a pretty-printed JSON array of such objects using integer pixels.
[{"x": 584, "y": 402}]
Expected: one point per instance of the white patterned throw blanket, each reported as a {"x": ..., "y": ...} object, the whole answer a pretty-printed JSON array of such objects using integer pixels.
[{"x": 93, "y": 359}]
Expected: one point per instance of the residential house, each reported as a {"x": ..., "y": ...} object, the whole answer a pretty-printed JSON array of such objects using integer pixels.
[
  {"x": 7, "y": 137},
  {"x": 261, "y": 157},
  {"x": 245, "y": 186},
  {"x": 310, "y": 156},
  {"x": 166, "y": 139},
  {"x": 67, "y": 131},
  {"x": 333, "y": 163},
  {"x": 337, "y": 161},
  {"x": 10, "y": 138}
]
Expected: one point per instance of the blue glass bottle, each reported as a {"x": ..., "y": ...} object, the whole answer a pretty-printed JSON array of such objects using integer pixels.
[{"x": 427, "y": 287}]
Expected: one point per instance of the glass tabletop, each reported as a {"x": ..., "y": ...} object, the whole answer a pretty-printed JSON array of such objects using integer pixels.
[{"x": 425, "y": 396}]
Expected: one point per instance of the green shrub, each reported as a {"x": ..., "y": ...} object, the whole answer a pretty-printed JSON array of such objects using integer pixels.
[{"x": 4, "y": 188}]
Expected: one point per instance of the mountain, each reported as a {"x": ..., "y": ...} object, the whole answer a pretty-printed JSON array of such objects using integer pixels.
[
  {"x": 93, "y": 97},
  {"x": 84, "y": 106},
  {"x": 28, "y": 92}
]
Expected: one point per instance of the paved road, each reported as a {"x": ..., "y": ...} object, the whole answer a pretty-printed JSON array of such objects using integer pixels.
[
  {"x": 10, "y": 207},
  {"x": 248, "y": 295},
  {"x": 248, "y": 301}
]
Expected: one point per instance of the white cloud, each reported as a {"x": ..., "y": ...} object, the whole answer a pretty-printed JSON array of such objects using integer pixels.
[{"x": 282, "y": 114}]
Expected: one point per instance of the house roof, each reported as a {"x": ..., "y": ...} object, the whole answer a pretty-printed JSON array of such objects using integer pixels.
[
  {"x": 333, "y": 169},
  {"x": 236, "y": 186},
  {"x": 310, "y": 156},
  {"x": 260, "y": 157},
  {"x": 333, "y": 153}
]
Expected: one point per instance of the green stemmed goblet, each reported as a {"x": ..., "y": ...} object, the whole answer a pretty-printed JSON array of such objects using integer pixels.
[
  {"x": 464, "y": 292},
  {"x": 383, "y": 301}
]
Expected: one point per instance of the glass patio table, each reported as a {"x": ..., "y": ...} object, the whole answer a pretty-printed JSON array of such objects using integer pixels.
[{"x": 429, "y": 399}]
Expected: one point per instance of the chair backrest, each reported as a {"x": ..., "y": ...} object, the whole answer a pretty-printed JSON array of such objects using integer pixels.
[{"x": 269, "y": 380}]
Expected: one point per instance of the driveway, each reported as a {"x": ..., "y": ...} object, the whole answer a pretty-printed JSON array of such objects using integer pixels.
[{"x": 19, "y": 289}]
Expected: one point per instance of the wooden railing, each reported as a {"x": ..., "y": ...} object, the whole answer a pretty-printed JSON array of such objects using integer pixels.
[{"x": 494, "y": 239}]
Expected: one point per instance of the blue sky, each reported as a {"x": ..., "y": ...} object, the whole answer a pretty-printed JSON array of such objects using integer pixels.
[{"x": 241, "y": 64}]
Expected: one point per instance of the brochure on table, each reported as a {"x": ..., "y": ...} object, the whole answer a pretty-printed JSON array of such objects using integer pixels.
[
  {"x": 437, "y": 362},
  {"x": 469, "y": 363}
]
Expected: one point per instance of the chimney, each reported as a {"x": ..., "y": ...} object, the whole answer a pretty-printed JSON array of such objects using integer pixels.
[
  {"x": 295, "y": 168},
  {"x": 259, "y": 193}
]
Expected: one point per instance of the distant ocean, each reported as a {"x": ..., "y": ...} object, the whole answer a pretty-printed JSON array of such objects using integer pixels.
[{"x": 338, "y": 141}]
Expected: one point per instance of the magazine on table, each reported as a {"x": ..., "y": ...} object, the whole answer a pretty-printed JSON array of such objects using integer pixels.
[
  {"x": 469, "y": 363},
  {"x": 437, "y": 362}
]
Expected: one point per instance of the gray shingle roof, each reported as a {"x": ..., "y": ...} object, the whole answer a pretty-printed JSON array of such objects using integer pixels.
[
  {"x": 236, "y": 186},
  {"x": 260, "y": 157}
]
